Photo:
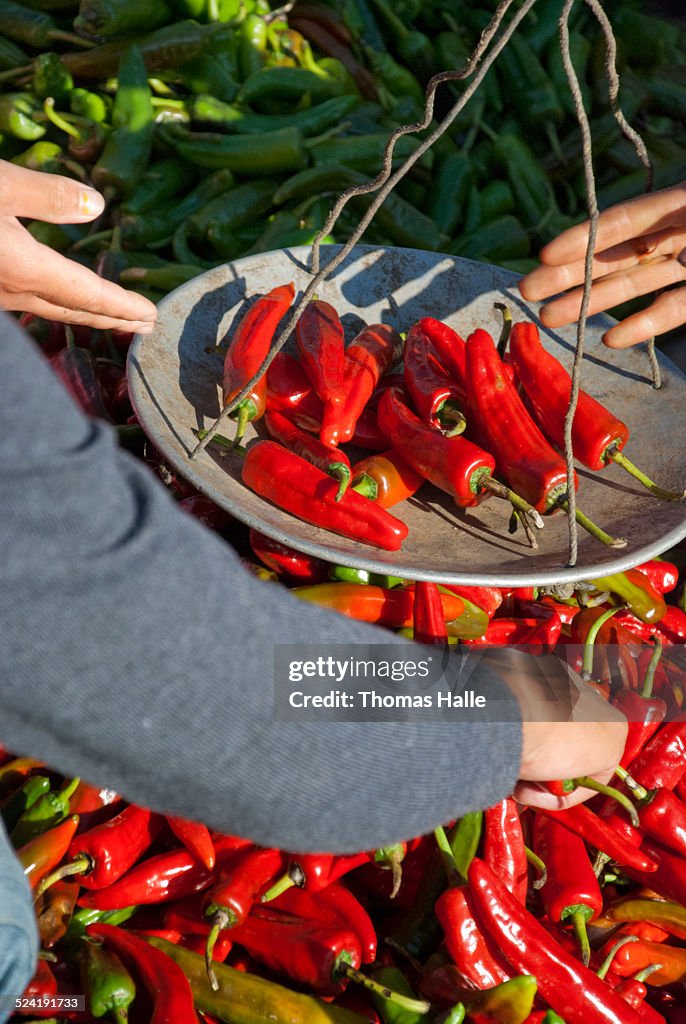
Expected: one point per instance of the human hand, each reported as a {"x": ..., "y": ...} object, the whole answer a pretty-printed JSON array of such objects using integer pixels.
[
  {"x": 568, "y": 730},
  {"x": 639, "y": 247},
  {"x": 36, "y": 279}
]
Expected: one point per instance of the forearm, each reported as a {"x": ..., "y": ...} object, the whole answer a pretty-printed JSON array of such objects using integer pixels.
[{"x": 138, "y": 653}]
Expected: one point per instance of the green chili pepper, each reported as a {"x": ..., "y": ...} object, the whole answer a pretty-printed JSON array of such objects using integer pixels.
[
  {"x": 11, "y": 56},
  {"x": 365, "y": 152},
  {"x": 646, "y": 39},
  {"x": 86, "y": 138},
  {"x": 394, "y": 979},
  {"x": 190, "y": 8},
  {"x": 159, "y": 225},
  {"x": 533, "y": 93},
  {"x": 532, "y": 189},
  {"x": 166, "y": 278},
  {"x": 464, "y": 840},
  {"x": 127, "y": 150},
  {"x": 33, "y": 28},
  {"x": 667, "y": 91},
  {"x": 252, "y": 50},
  {"x": 16, "y": 116},
  {"x": 398, "y": 80},
  {"x": 168, "y": 47},
  {"x": 272, "y": 153},
  {"x": 580, "y": 53},
  {"x": 41, "y": 156},
  {"x": 413, "y": 47},
  {"x": 553, "y": 1018},
  {"x": 109, "y": 986},
  {"x": 509, "y": 1003},
  {"x": 56, "y": 236},
  {"x": 277, "y": 90},
  {"x": 346, "y": 574},
  {"x": 49, "y": 810},
  {"x": 450, "y": 189},
  {"x": 51, "y": 77},
  {"x": 501, "y": 239},
  {"x": 163, "y": 180},
  {"x": 209, "y": 74},
  {"x": 360, "y": 19},
  {"x": 207, "y": 110},
  {"x": 84, "y": 916},
  {"x": 120, "y": 17},
  {"x": 218, "y": 221},
  {"x": 24, "y": 798},
  {"x": 630, "y": 185},
  {"x": 88, "y": 104}
]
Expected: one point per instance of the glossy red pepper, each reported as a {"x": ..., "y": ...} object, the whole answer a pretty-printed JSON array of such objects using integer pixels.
[
  {"x": 314, "y": 871},
  {"x": 672, "y": 626},
  {"x": 437, "y": 398},
  {"x": 113, "y": 847},
  {"x": 594, "y": 830},
  {"x": 635, "y": 590},
  {"x": 504, "y": 425},
  {"x": 164, "y": 980},
  {"x": 473, "y": 951},
  {"x": 320, "y": 340},
  {"x": 303, "y": 490},
  {"x": 504, "y": 850},
  {"x": 249, "y": 343},
  {"x": 369, "y": 355},
  {"x": 195, "y": 837},
  {"x": 571, "y": 891},
  {"x": 533, "y": 633},
  {"x": 598, "y": 437},
  {"x": 348, "y": 912},
  {"x": 448, "y": 348},
  {"x": 644, "y": 713},
  {"x": 428, "y": 619},
  {"x": 636, "y": 956},
  {"x": 366, "y": 603},
  {"x": 664, "y": 576},
  {"x": 324, "y": 456},
  {"x": 41, "y": 855},
  {"x": 386, "y": 478},
  {"x": 308, "y": 953},
  {"x": 572, "y": 990},
  {"x": 662, "y": 762},
  {"x": 663, "y": 816},
  {"x": 295, "y": 566},
  {"x": 453, "y": 464}
]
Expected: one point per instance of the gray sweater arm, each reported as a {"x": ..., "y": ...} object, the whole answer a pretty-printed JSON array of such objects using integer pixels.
[{"x": 136, "y": 651}]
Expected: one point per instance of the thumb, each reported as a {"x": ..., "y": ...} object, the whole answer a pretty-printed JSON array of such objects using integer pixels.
[{"x": 49, "y": 197}]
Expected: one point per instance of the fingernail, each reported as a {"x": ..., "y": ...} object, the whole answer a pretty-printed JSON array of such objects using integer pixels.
[{"x": 91, "y": 203}]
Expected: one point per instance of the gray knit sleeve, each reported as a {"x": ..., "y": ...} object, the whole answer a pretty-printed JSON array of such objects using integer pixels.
[{"x": 113, "y": 669}]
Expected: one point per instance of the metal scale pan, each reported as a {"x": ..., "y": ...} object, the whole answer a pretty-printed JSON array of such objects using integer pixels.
[{"x": 174, "y": 383}]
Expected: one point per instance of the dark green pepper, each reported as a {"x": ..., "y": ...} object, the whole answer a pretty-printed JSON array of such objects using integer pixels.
[
  {"x": 464, "y": 840},
  {"x": 531, "y": 90},
  {"x": 88, "y": 104},
  {"x": 272, "y": 153},
  {"x": 646, "y": 39},
  {"x": 59, "y": 237},
  {"x": 191, "y": 8},
  {"x": 218, "y": 220},
  {"x": 278, "y": 90},
  {"x": 502, "y": 239},
  {"x": 393, "y": 77},
  {"x": 530, "y": 185},
  {"x": 24, "y": 798},
  {"x": 209, "y": 74},
  {"x": 49, "y": 810},
  {"x": 121, "y": 17},
  {"x": 362, "y": 24},
  {"x": 11, "y": 56},
  {"x": 450, "y": 190},
  {"x": 207, "y": 110},
  {"x": 365, "y": 152},
  {"x": 580, "y": 54},
  {"x": 127, "y": 150},
  {"x": 163, "y": 180},
  {"x": 17, "y": 111},
  {"x": 108, "y": 985},
  {"x": 156, "y": 226},
  {"x": 33, "y": 28},
  {"x": 166, "y": 278},
  {"x": 496, "y": 198},
  {"x": 51, "y": 77},
  {"x": 413, "y": 47},
  {"x": 666, "y": 89},
  {"x": 252, "y": 50},
  {"x": 391, "y": 1013}
]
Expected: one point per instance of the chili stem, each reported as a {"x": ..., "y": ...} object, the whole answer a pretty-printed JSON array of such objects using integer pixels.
[
  {"x": 579, "y": 925},
  {"x": 599, "y": 863},
  {"x": 451, "y": 419},
  {"x": 590, "y": 783},
  {"x": 408, "y": 1004},
  {"x": 223, "y": 442},
  {"x": 79, "y": 866},
  {"x": 647, "y": 688},
  {"x": 59, "y": 121},
  {"x": 589, "y": 643},
  {"x": 607, "y": 962},
  {"x": 339, "y": 471},
  {"x": 538, "y": 864},
  {"x": 220, "y": 921},
  {"x": 640, "y": 791},
  {"x": 646, "y": 972},
  {"x": 505, "y": 329},
  {"x": 516, "y": 500},
  {"x": 281, "y": 885},
  {"x": 621, "y": 460},
  {"x": 454, "y": 876},
  {"x": 594, "y": 530}
]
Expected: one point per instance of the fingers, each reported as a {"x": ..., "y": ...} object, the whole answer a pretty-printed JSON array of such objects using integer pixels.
[
  {"x": 35, "y": 278},
  {"x": 619, "y": 223},
  {"x": 640, "y": 279},
  {"x": 665, "y": 313},
  {"x": 49, "y": 197}
]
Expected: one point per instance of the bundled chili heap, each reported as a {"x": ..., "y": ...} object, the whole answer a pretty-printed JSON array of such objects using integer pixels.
[{"x": 510, "y": 916}]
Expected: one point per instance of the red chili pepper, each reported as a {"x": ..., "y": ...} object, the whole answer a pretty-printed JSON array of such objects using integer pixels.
[
  {"x": 86, "y": 799},
  {"x": 325, "y": 457},
  {"x": 503, "y": 423},
  {"x": 636, "y": 956},
  {"x": 565, "y": 612},
  {"x": 598, "y": 437},
  {"x": 249, "y": 344},
  {"x": 388, "y": 607},
  {"x": 453, "y": 464},
  {"x": 428, "y": 617},
  {"x": 529, "y": 633},
  {"x": 308, "y": 953},
  {"x": 314, "y": 871},
  {"x": 583, "y": 822},
  {"x": 113, "y": 847},
  {"x": 572, "y": 990},
  {"x": 367, "y": 358},
  {"x": 436, "y": 397},
  {"x": 164, "y": 980},
  {"x": 448, "y": 347},
  {"x": 320, "y": 341},
  {"x": 349, "y": 913},
  {"x": 663, "y": 816},
  {"x": 43, "y": 983},
  {"x": 296, "y": 566},
  {"x": 472, "y": 949},
  {"x": 571, "y": 891},
  {"x": 504, "y": 849},
  {"x": 304, "y": 491},
  {"x": 77, "y": 370},
  {"x": 386, "y": 478},
  {"x": 671, "y": 628},
  {"x": 195, "y": 837},
  {"x": 489, "y": 599},
  {"x": 662, "y": 762},
  {"x": 40, "y": 855},
  {"x": 664, "y": 576},
  {"x": 643, "y": 712}
]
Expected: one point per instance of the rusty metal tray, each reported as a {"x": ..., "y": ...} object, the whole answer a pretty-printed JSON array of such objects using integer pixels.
[{"x": 174, "y": 377}]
